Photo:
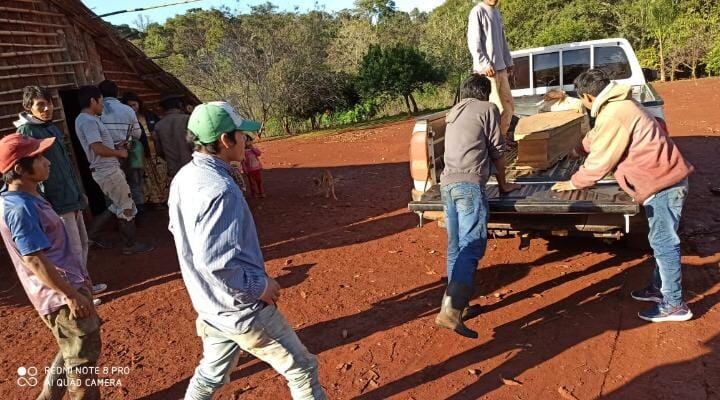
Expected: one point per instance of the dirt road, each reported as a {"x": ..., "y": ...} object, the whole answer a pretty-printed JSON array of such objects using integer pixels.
[{"x": 362, "y": 284}]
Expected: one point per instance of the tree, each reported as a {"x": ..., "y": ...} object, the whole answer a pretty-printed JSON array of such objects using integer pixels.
[
  {"x": 394, "y": 71},
  {"x": 375, "y": 10},
  {"x": 661, "y": 15},
  {"x": 351, "y": 41},
  {"x": 445, "y": 40},
  {"x": 689, "y": 43},
  {"x": 712, "y": 60}
]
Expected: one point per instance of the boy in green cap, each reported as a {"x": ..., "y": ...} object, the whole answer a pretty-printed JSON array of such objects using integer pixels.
[{"x": 222, "y": 264}]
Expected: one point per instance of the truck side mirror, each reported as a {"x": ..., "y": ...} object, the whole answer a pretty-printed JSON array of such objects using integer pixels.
[{"x": 650, "y": 74}]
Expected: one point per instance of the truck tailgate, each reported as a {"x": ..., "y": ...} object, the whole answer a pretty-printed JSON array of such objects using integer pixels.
[{"x": 535, "y": 196}]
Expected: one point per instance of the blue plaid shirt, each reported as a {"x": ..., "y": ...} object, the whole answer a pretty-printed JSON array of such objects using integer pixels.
[{"x": 217, "y": 244}]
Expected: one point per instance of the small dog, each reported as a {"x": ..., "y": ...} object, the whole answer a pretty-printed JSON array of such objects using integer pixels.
[{"x": 326, "y": 183}]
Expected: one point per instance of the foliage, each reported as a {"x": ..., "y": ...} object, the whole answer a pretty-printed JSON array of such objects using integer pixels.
[
  {"x": 296, "y": 71},
  {"x": 393, "y": 71}
]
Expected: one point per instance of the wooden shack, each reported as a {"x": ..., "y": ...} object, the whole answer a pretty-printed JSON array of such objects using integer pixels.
[{"x": 62, "y": 45}]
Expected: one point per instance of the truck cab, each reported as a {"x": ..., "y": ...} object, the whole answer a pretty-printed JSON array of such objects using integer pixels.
[{"x": 602, "y": 211}]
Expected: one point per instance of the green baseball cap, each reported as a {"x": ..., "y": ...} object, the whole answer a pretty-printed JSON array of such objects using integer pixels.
[{"x": 209, "y": 121}]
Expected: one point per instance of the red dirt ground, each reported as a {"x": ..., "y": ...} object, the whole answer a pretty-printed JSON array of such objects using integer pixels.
[{"x": 557, "y": 317}]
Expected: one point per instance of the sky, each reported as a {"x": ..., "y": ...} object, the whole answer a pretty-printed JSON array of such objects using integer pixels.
[{"x": 161, "y": 14}]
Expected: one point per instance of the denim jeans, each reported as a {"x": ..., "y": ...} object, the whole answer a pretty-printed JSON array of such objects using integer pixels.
[
  {"x": 271, "y": 339},
  {"x": 136, "y": 181},
  {"x": 466, "y": 219},
  {"x": 663, "y": 213}
]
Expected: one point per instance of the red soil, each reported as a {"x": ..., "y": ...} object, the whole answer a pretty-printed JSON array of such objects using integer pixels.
[{"x": 557, "y": 317}]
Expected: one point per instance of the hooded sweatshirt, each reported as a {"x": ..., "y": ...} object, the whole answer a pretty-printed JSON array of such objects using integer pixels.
[
  {"x": 62, "y": 189},
  {"x": 472, "y": 139},
  {"x": 628, "y": 140}
]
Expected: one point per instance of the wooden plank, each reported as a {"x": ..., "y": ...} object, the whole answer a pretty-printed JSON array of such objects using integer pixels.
[
  {"x": 45, "y": 86},
  {"x": 12, "y": 102},
  {"x": 29, "y": 11},
  {"x": 32, "y": 46},
  {"x": 24, "y": 66},
  {"x": 126, "y": 81},
  {"x": 21, "y": 22},
  {"x": 120, "y": 73},
  {"x": 20, "y": 76},
  {"x": 27, "y": 33},
  {"x": 32, "y": 52}
]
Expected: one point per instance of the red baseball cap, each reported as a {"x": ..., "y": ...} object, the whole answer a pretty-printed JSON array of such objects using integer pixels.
[{"x": 16, "y": 146}]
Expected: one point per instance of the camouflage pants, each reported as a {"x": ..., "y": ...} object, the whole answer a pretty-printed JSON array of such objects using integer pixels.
[{"x": 80, "y": 346}]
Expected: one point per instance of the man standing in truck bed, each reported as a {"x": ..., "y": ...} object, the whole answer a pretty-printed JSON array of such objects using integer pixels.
[
  {"x": 630, "y": 142},
  {"x": 491, "y": 56}
]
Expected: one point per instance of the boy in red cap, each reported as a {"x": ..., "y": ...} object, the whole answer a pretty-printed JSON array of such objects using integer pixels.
[{"x": 51, "y": 274}]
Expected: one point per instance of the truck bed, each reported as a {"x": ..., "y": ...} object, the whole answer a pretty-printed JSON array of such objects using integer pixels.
[
  {"x": 603, "y": 208},
  {"x": 535, "y": 196}
]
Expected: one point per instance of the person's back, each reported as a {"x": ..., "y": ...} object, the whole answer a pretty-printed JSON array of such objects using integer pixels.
[
  {"x": 632, "y": 143},
  {"x": 119, "y": 119},
  {"x": 171, "y": 140},
  {"x": 472, "y": 141}
]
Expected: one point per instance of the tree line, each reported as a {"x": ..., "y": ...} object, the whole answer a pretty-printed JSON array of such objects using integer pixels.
[{"x": 302, "y": 70}]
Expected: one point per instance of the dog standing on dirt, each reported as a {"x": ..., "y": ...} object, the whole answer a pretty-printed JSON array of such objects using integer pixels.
[{"x": 326, "y": 183}]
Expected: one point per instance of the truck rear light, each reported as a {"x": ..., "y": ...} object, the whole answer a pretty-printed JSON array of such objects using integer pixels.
[{"x": 419, "y": 156}]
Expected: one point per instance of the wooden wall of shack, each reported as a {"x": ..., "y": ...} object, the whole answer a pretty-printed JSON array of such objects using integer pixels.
[{"x": 61, "y": 44}]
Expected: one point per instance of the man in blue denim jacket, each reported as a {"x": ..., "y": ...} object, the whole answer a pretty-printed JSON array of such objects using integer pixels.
[{"x": 472, "y": 141}]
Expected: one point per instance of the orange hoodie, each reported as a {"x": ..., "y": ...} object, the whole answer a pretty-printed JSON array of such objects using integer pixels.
[{"x": 628, "y": 140}]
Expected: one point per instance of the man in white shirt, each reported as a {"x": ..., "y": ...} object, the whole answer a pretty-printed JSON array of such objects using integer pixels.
[{"x": 491, "y": 56}]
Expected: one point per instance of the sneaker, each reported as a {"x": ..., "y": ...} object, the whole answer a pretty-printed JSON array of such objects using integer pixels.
[
  {"x": 650, "y": 293},
  {"x": 664, "y": 312},
  {"x": 138, "y": 248},
  {"x": 97, "y": 302},
  {"x": 99, "y": 288}
]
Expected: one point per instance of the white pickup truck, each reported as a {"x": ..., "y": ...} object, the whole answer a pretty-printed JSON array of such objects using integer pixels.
[{"x": 602, "y": 211}]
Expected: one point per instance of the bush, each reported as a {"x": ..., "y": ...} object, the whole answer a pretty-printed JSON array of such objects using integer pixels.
[{"x": 712, "y": 61}]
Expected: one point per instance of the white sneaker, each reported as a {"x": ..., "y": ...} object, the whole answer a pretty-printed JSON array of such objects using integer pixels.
[
  {"x": 99, "y": 288},
  {"x": 97, "y": 302}
]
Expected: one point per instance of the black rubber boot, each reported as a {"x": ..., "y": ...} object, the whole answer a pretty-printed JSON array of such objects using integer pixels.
[
  {"x": 456, "y": 299},
  {"x": 96, "y": 225},
  {"x": 130, "y": 246}
]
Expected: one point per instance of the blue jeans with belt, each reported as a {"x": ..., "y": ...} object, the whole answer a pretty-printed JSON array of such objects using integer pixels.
[
  {"x": 466, "y": 219},
  {"x": 663, "y": 213}
]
